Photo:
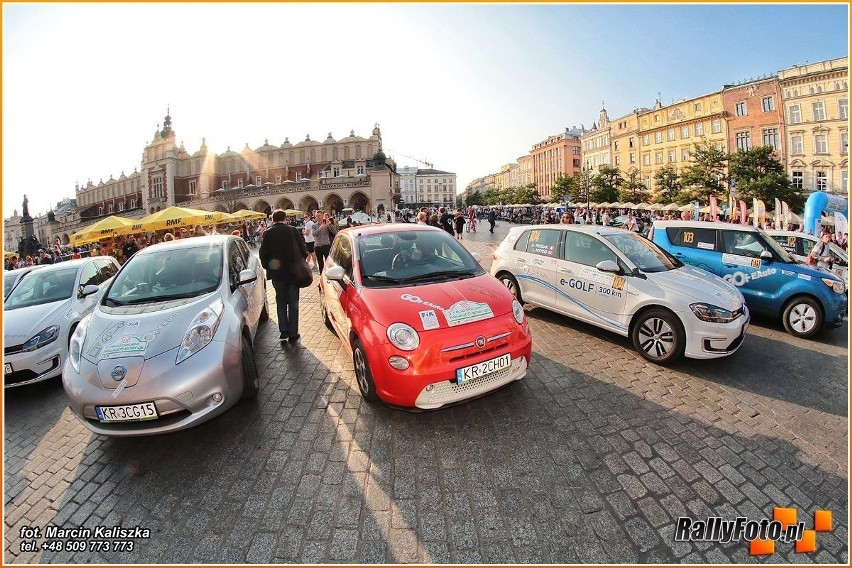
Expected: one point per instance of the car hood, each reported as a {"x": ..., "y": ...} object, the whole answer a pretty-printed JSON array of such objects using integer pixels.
[
  {"x": 23, "y": 323},
  {"x": 144, "y": 333},
  {"x": 699, "y": 285},
  {"x": 439, "y": 305}
]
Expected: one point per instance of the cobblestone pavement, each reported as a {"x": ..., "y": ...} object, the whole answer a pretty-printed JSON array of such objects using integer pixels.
[{"x": 590, "y": 459}]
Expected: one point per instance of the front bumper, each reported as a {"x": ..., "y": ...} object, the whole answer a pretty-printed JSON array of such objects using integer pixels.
[
  {"x": 184, "y": 395},
  {"x": 35, "y": 366},
  {"x": 705, "y": 340}
]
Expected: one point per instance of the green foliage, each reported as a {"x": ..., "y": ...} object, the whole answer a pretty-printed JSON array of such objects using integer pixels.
[
  {"x": 759, "y": 174},
  {"x": 475, "y": 198},
  {"x": 566, "y": 185},
  {"x": 512, "y": 195},
  {"x": 669, "y": 188},
  {"x": 632, "y": 188},
  {"x": 606, "y": 184},
  {"x": 705, "y": 176}
]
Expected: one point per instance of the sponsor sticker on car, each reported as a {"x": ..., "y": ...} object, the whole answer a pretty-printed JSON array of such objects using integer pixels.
[{"x": 7, "y": 369}]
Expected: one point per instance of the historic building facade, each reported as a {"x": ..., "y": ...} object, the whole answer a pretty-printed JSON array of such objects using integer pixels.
[
  {"x": 754, "y": 116},
  {"x": 597, "y": 148},
  {"x": 816, "y": 112},
  {"x": 554, "y": 157}
]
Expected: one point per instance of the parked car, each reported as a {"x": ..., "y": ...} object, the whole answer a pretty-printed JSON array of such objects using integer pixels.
[
  {"x": 617, "y": 280},
  {"x": 773, "y": 282},
  {"x": 42, "y": 312},
  {"x": 170, "y": 344},
  {"x": 12, "y": 277},
  {"x": 425, "y": 324},
  {"x": 800, "y": 244}
]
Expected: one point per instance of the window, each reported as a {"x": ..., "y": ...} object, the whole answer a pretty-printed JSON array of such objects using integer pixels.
[
  {"x": 298, "y": 176},
  {"x": 632, "y": 157},
  {"x": 741, "y": 108},
  {"x": 258, "y": 181},
  {"x": 615, "y": 145},
  {"x": 646, "y": 159},
  {"x": 843, "y": 108},
  {"x": 671, "y": 135},
  {"x": 697, "y": 107},
  {"x": 586, "y": 249},
  {"x": 121, "y": 206},
  {"x": 658, "y": 137},
  {"x": 844, "y": 181},
  {"x": 157, "y": 186},
  {"x": 742, "y": 243},
  {"x": 359, "y": 170},
  {"x": 699, "y": 129},
  {"x": 770, "y": 137},
  {"x": 743, "y": 141},
  {"x": 133, "y": 204},
  {"x": 630, "y": 142},
  {"x": 671, "y": 156},
  {"x": 798, "y": 181},
  {"x": 192, "y": 183},
  {"x": 819, "y": 110},
  {"x": 240, "y": 183},
  {"x": 821, "y": 181},
  {"x": 796, "y": 145},
  {"x": 224, "y": 184},
  {"x": 109, "y": 209},
  {"x": 89, "y": 275},
  {"x": 278, "y": 178},
  {"x": 618, "y": 160},
  {"x": 646, "y": 139},
  {"x": 820, "y": 144},
  {"x": 335, "y": 172},
  {"x": 684, "y": 132},
  {"x": 795, "y": 114},
  {"x": 658, "y": 158},
  {"x": 684, "y": 155},
  {"x": 692, "y": 237},
  {"x": 844, "y": 143},
  {"x": 716, "y": 126},
  {"x": 100, "y": 210},
  {"x": 768, "y": 104}
]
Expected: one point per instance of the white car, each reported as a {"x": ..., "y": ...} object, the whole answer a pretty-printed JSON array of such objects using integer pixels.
[
  {"x": 620, "y": 281},
  {"x": 800, "y": 244},
  {"x": 42, "y": 312}
]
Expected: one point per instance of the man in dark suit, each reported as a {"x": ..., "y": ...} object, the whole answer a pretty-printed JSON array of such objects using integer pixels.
[{"x": 281, "y": 243}]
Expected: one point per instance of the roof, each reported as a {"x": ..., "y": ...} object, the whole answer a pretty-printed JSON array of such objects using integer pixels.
[
  {"x": 189, "y": 242},
  {"x": 391, "y": 228},
  {"x": 706, "y": 225},
  {"x": 575, "y": 227}
]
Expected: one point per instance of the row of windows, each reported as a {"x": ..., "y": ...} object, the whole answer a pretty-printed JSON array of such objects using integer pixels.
[
  {"x": 838, "y": 86},
  {"x": 110, "y": 208},
  {"x": 818, "y": 111},
  {"x": 768, "y": 104},
  {"x": 820, "y": 144},
  {"x": 671, "y": 133}
]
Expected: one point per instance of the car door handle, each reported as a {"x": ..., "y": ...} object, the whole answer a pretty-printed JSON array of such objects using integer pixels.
[
  {"x": 520, "y": 259},
  {"x": 566, "y": 270}
]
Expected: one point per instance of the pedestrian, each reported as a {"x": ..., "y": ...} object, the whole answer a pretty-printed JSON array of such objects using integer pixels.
[
  {"x": 630, "y": 224},
  {"x": 130, "y": 248},
  {"x": 821, "y": 254},
  {"x": 43, "y": 257},
  {"x": 281, "y": 243},
  {"x": 76, "y": 254},
  {"x": 492, "y": 218},
  {"x": 168, "y": 237},
  {"x": 459, "y": 224},
  {"x": 566, "y": 219},
  {"x": 324, "y": 234},
  {"x": 421, "y": 218},
  {"x": 199, "y": 231},
  {"x": 308, "y": 233}
]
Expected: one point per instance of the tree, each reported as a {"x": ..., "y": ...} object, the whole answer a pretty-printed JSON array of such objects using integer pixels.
[
  {"x": 705, "y": 176},
  {"x": 492, "y": 196},
  {"x": 527, "y": 194},
  {"x": 669, "y": 188},
  {"x": 566, "y": 185},
  {"x": 759, "y": 174},
  {"x": 475, "y": 198},
  {"x": 632, "y": 189},
  {"x": 606, "y": 184}
]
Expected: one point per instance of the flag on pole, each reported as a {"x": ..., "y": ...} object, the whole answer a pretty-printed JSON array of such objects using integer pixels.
[
  {"x": 714, "y": 208},
  {"x": 786, "y": 215},
  {"x": 759, "y": 215},
  {"x": 743, "y": 213},
  {"x": 779, "y": 220}
]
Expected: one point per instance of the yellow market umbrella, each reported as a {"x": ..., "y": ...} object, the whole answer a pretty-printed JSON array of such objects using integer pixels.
[
  {"x": 293, "y": 212},
  {"x": 174, "y": 217},
  {"x": 247, "y": 214},
  {"x": 107, "y": 227},
  {"x": 8, "y": 254}
]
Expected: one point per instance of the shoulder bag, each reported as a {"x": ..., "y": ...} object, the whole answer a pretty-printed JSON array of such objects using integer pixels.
[{"x": 302, "y": 275}]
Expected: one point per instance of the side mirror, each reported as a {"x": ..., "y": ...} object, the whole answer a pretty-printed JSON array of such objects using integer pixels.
[
  {"x": 88, "y": 290},
  {"x": 767, "y": 256},
  {"x": 335, "y": 273},
  {"x": 608, "y": 266},
  {"x": 247, "y": 276}
]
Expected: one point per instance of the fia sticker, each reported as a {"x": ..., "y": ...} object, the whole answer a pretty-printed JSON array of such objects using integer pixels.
[
  {"x": 429, "y": 319},
  {"x": 131, "y": 327}
]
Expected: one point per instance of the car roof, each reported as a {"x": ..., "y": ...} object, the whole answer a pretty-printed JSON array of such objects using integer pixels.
[
  {"x": 706, "y": 224},
  {"x": 25, "y": 269},
  {"x": 587, "y": 229},
  {"x": 65, "y": 264},
  {"x": 187, "y": 243},
  {"x": 367, "y": 230}
]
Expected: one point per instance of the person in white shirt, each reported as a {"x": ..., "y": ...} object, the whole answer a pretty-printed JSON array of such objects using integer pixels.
[
  {"x": 308, "y": 232},
  {"x": 630, "y": 224}
]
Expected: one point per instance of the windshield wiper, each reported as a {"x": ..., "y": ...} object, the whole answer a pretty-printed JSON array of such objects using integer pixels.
[
  {"x": 155, "y": 299},
  {"x": 382, "y": 278},
  {"x": 116, "y": 302},
  {"x": 441, "y": 274}
]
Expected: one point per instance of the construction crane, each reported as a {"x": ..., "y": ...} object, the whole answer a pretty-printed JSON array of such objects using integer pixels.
[{"x": 424, "y": 162}]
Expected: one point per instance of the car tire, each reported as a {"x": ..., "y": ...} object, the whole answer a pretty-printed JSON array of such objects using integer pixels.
[
  {"x": 511, "y": 284},
  {"x": 363, "y": 375},
  {"x": 658, "y": 336},
  {"x": 251, "y": 378},
  {"x": 802, "y": 317}
]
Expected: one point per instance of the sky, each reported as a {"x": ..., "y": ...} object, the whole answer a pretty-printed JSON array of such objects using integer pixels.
[{"x": 466, "y": 87}]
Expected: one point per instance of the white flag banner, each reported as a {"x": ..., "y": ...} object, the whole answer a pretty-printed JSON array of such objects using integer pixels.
[{"x": 841, "y": 223}]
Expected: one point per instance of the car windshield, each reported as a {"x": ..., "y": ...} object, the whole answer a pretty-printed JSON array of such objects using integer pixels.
[
  {"x": 42, "y": 287},
  {"x": 408, "y": 257},
  {"x": 168, "y": 274},
  {"x": 647, "y": 256}
]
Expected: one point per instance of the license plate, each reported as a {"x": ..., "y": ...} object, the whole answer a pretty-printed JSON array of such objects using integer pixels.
[
  {"x": 7, "y": 368},
  {"x": 466, "y": 374},
  {"x": 127, "y": 413}
]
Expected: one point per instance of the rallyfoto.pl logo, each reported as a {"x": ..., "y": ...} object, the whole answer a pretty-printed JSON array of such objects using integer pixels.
[{"x": 761, "y": 535}]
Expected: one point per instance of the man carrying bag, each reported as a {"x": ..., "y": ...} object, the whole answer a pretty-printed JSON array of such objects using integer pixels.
[{"x": 282, "y": 253}]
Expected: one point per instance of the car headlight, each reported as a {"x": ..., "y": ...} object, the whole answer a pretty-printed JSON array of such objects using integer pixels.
[
  {"x": 403, "y": 336},
  {"x": 518, "y": 311},
  {"x": 839, "y": 286},
  {"x": 75, "y": 346},
  {"x": 711, "y": 313},
  {"x": 201, "y": 330},
  {"x": 42, "y": 338}
]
